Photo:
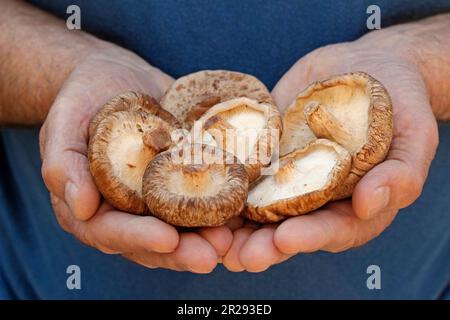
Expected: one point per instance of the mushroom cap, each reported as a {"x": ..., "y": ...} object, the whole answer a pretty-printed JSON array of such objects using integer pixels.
[
  {"x": 352, "y": 109},
  {"x": 132, "y": 101},
  {"x": 192, "y": 95},
  {"x": 207, "y": 191},
  {"x": 305, "y": 180},
  {"x": 122, "y": 145},
  {"x": 246, "y": 128}
]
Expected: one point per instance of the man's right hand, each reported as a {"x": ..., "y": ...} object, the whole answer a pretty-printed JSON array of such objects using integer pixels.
[{"x": 101, "y": 75}]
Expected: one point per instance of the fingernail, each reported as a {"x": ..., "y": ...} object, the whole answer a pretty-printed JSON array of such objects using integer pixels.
[
  {"x": 70, "y": 195},
  {"x": 380, "y": 200}
]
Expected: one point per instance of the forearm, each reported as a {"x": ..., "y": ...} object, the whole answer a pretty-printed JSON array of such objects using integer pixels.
[{"x": 37, "y": 53}]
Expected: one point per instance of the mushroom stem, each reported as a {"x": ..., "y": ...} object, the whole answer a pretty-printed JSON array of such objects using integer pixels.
[
  {"x": 200, "y": 108},
  {"x": 157, "y": 140},
  {"x": 195, "y": 169},
  {"x": 195, "y": 178},
  {"x": 325, "y": 125},
  {"x": 217, "y": 122},
  {"x": 219, "y": 129}
]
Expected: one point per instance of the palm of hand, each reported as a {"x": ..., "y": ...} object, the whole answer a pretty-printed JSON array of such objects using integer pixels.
[
  {"x": 75, "y": 198},
  {"x": 349, "y": 223}
]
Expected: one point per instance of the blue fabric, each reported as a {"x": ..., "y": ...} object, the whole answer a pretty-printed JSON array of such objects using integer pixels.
[{"x": 263, "y": 38}]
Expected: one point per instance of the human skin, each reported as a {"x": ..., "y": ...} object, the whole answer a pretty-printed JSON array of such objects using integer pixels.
[
  {"x": 77, "y": 73},
  {"x": 50, "y": 73},
  {"x": 413, "y": 62}
]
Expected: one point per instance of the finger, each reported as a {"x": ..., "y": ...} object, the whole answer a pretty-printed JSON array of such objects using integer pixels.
[
  {"x": 231, "y": 260},
  {"x": 333, "y": 229},
  {"x": 193, "y": 254},
  {"x": 398, "y": 181},
  {"x": 305, "y": 71},
  {"x": 219, "y": 237},
  {"x": 291, "y": 83},
  {"x": 65, "y": 167},
  {"x": 259, "y": 251},
  {"x": 115, "y": 231}
]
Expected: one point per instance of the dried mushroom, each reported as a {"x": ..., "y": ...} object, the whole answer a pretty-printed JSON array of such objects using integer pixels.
[
  {"x": 353, "y": 110},
  {"x": 195, "y": 185},
  {"x": 124, "y": 136},
  {"x": 333, "y": 133},
  {"x": 246, "y": 128},
  {"x": 305, "y": 180},
  {"x": 191, "y": 96}
]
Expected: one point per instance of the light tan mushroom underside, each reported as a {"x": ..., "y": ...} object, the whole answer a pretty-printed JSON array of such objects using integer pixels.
[
  {"x": 245, "y": 128},
  {"x": 195, "y": 194},
  {"x": 304, "y": 182},
  {"x": 353, "y": 110}
]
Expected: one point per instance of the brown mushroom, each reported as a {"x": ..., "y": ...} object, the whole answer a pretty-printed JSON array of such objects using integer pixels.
[
  {"x": 132, "y": 101},
  {"x": 353, "y": 110},
  {"x": 305, "y": 180},
  {"x": 191, "y": 96},
  {"x": 195, "y": 186},
  {"x": 125, "y": 136},
  {"x": 246, "y": 128}
]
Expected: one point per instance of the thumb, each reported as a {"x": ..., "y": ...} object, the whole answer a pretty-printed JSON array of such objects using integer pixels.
[
  {"x": 397, "y": 182},
  {"x": 311, "y": 67},
  {"x": 65, "y": 167}
]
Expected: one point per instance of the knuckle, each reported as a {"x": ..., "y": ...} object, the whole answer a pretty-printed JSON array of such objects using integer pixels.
[
  {"x": 434, "y": 130},
  {"x": 62, "y": 222},
  {"x": 432, "y": 134},
  {"x": 412, "y": 188},
  {"x": 47, "y": 171},
  {"x": 42, "y": 140},
  {"x": 51, "y": 173}
]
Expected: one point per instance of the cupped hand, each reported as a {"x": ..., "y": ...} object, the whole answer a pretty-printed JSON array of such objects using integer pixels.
[
  {"x": 393, "y": 184},
  {"x": 99, "y": 76}
]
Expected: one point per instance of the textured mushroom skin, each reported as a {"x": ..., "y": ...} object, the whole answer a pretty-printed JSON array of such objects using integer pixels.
[
  {"x": 298, "y": 205},
  {"x": 193, "y": 211},
  {"x": 110, "y": 186},
  {"x": 379, "y": 130},
  {"x": 191, "y": 96},
  {"x": 132, "y": 101}
]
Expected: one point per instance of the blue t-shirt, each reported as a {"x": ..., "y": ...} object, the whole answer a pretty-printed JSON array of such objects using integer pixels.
[{"x": 260, "y": 37}]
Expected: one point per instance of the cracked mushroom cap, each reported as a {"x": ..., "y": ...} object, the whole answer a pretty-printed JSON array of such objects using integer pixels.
[
  {"x": 246, "y": 128},
  {"x": 204, "y": 192},
  {"x": 122, "y": 145},
  {"x": 305, "y": 180},
  {"x": 352, "y": 109},
  {"x": 191, "y": 96}
]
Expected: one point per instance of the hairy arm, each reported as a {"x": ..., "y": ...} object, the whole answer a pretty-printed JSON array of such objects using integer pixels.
[{"x": 37, "y": 53}]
